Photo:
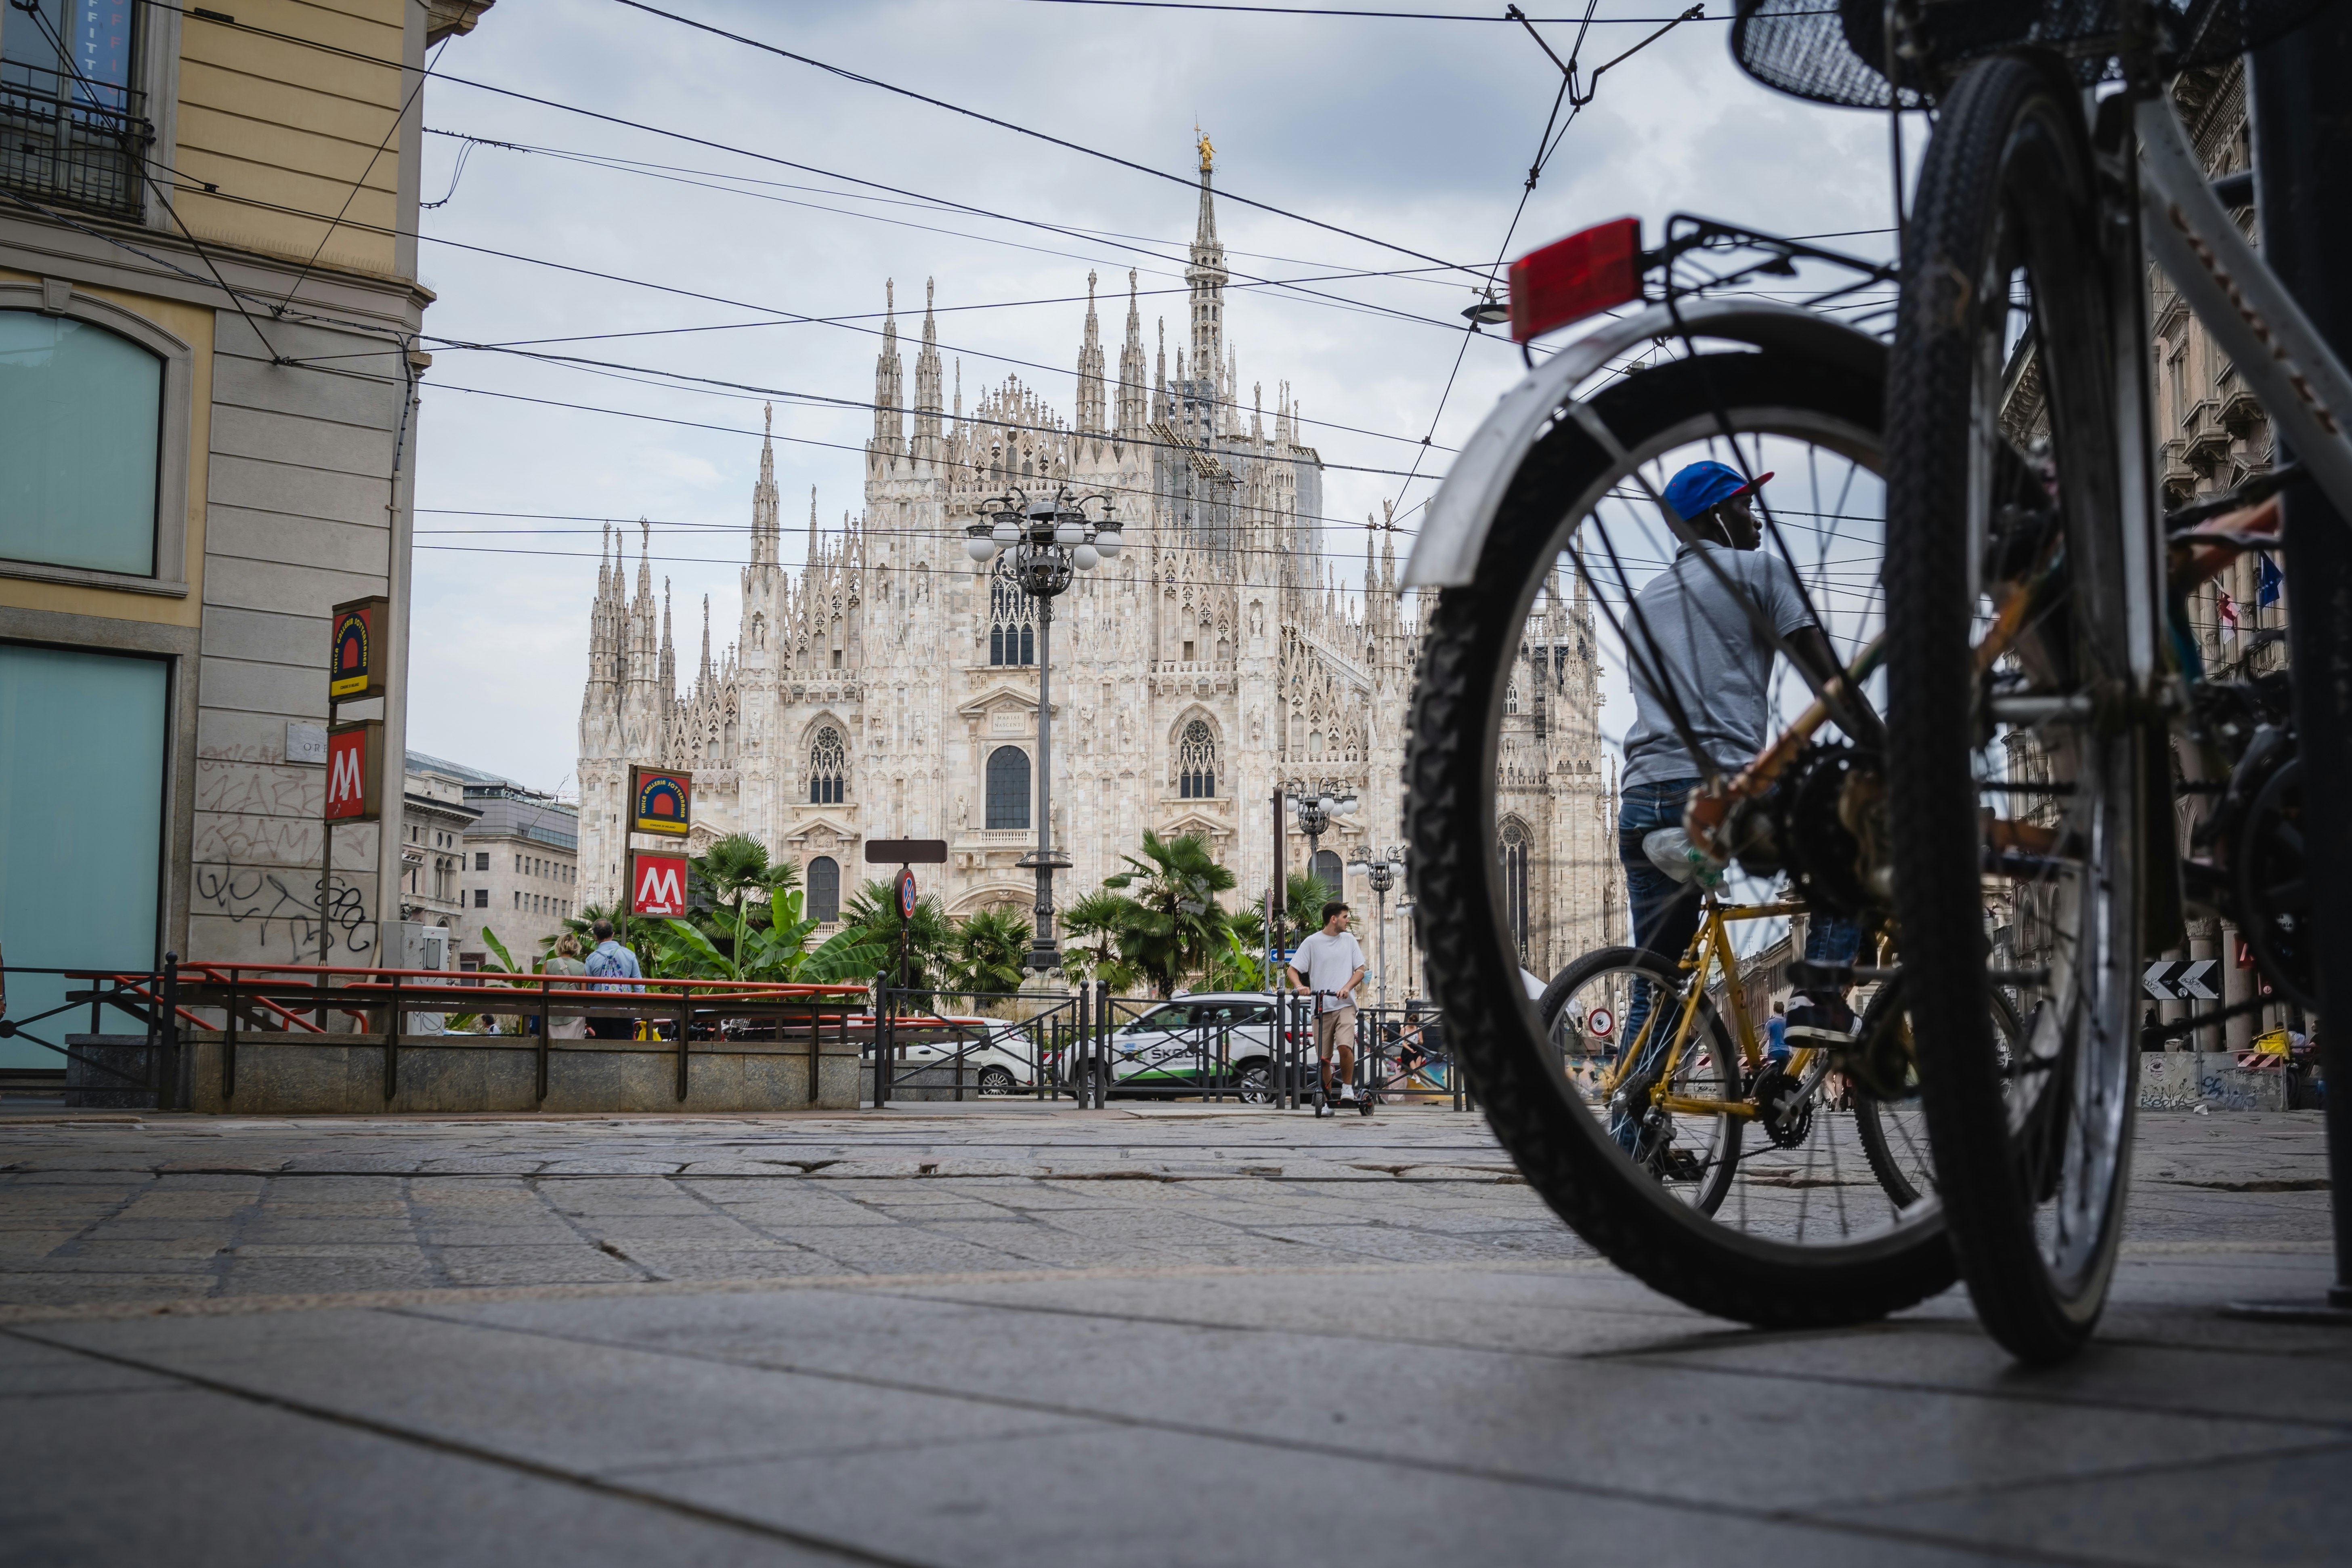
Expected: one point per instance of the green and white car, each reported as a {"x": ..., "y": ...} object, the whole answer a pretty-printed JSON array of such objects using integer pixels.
[{"x": 1200, "y": 1042}]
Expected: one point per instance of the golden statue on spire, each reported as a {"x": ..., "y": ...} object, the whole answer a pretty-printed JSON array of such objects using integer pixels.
[{"x": 1207, "y": 152}]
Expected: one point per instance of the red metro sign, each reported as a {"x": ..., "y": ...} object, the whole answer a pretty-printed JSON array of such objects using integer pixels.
[
  {"x": 355, "y": 772},
  {"x": 658, "y": 884}
]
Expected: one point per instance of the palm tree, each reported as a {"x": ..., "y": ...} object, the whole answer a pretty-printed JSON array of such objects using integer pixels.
[
  {"x": 873, "y": 911},
  {"x": 1178, "y": 926},
  {"x": 731, "y": 867},
  {"x": 989, "y": 946},
  {"x": 1304, "y": 894},
  {"x": 1104, "y": 918}
]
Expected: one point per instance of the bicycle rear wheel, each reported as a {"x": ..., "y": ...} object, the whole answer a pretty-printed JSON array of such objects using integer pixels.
[
  {"x": 1747, "y": 1238},
  {"x": 2024, "y": 756}
]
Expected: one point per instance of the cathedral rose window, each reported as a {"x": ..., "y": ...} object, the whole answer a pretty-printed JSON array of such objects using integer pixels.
[
  {"x": 828, "y": 768},
  {"x": 1196, "y": 762}
]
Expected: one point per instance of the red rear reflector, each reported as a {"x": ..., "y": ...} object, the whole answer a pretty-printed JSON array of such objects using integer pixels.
[{"x": 1571, "y": 278}]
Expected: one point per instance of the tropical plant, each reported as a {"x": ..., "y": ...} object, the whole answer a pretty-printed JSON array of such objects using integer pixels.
[
  {"x": 501, "y": 961},
  {"x": 765, "y": 942},
  {"x": 1241, "y": 964},
  {"x": 873, "y": 911},
  {"x": 989, "y": 947},
  {"x": 1304, "y": 894},
  {"x": 730, "y": 867},
  {"x": 1093, "y": 927},
  {"x": 1178, "y": 925}
]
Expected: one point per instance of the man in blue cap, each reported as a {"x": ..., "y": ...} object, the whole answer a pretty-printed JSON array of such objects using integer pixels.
[{"x": 1717, "y": 667}]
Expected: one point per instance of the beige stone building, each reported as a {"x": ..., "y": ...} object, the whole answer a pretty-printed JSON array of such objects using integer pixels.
[
  {"x": 887, "y": 686},
  {"x": 208, "y": 384}
]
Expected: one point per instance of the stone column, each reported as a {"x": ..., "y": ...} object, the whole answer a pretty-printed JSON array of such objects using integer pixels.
[
  {"x": 2201, "y": 944},
  {"x": 2237, "y": 985}
]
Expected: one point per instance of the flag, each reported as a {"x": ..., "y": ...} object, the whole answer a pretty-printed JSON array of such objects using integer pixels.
[
  {"x": 2273, "y": 580},
  {"x": 2229, "y": 615}
]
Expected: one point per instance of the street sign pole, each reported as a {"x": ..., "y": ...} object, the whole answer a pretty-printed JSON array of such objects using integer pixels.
[{"x": 2303, "y": 198}]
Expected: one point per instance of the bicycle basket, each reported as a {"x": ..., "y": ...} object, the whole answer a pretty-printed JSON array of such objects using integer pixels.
[{"x": 1836, "y": 54}]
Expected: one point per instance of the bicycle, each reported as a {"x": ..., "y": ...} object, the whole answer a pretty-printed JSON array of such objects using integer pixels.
[
  {"x": 1668, "y": 1050},
  {"x": 2044, "y": 706},
  {"x": 1562, "y": 484}
]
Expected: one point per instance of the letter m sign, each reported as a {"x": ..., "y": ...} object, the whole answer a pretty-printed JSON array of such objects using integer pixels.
[
  {"x": 355, "y": 772},
  {"x": 658, "y": 884}
]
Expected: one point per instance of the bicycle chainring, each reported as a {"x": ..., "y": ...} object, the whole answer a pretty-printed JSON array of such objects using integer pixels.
[{"x": 1784, "y": 1107}]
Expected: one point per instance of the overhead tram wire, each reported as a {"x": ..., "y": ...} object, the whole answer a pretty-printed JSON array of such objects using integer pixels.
[
  {"x": 1329, "y": 11},
  {"x": 1243, "y": 279},
  {"x": 351, "y": 195},
  {"x": 787, "y": 317},
  {"x": 219, "y": 19},
  {"x": 1020, "y": 129},
  {"x": 733, "y": 183}
]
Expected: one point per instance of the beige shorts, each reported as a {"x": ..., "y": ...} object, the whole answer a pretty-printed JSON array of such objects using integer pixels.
[{"x": 1338, "y": 1025}]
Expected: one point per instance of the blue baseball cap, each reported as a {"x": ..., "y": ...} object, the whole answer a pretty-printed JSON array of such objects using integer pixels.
[{"x": 1705, "y": 485}]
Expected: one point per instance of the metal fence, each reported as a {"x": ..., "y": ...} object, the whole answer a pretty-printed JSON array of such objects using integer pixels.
[
  {"x": 1085, "y": 1045},
  {"x": 180, "y": 1006},
  {"x": 1089, "y": 1047}
]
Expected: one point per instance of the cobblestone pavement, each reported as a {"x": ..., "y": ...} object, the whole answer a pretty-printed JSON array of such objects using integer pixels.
[{"x": 1027, "y": 1334}]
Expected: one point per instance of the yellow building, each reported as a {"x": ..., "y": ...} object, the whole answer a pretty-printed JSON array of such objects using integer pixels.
[{"x": 208, "y": 368}]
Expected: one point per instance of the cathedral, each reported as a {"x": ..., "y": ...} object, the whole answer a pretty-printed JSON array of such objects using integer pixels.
[{"x": 887, "y": 687}]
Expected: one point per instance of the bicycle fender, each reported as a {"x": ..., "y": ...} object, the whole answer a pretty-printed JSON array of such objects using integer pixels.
[{"x": 1446, "y": 551}]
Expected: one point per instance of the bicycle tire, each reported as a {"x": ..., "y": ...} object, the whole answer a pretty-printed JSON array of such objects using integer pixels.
[
  {"x": 2006, "y": 198},
  {"x": 1896, "y": 1166},
  {"x": 1450, "y": 820},
  {"x": 1718, "y": 1051}
]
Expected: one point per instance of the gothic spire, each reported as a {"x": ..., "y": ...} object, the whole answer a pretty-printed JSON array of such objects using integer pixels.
[
  {"x": 1206, "y": 276},
  {"x": 1091, "y": 421},
  {"x": 1160, "y": 378},
  {"x": 887, "y": 373},
  {"x": 927, "y": 376},
  {"x": 705, "y": 680},
  {"x": 1130, "y": 369},
  {"x": 763, "y": 495},
  {"x": 810, "y": 559}
]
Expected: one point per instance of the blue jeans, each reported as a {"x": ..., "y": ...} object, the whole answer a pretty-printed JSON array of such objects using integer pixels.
[{"x": 1665, "y": 918}]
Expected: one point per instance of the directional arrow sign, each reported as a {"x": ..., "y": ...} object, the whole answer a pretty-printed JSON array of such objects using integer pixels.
[
  {"x": 2191, "y": 981},
  {"x": 2154, "y": 981}
]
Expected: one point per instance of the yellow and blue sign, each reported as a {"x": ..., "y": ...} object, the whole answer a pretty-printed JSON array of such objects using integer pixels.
[
  {"x": 355, "y": 648},
  {"x": 661, "y": 800}
]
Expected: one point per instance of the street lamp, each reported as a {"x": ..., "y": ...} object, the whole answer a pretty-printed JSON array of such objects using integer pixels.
[
  {"x": 1382, "y": 876},
  {"x": 1045, "y": 542},
  {"x": 1313, "y": 808}
]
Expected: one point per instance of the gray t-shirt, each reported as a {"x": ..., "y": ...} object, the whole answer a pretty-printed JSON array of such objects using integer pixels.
[
  {"x": 1716, "y": 664},
  {"x": 1328, "y": 962}
]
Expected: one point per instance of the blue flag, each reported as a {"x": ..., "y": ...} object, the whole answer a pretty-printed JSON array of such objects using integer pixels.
[{"x": 2271, "y": 579}]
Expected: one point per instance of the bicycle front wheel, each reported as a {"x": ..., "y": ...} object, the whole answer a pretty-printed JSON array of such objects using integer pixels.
[
  {"x": 1503, "y": 692},
  {"x": 2024, "y": 762}
]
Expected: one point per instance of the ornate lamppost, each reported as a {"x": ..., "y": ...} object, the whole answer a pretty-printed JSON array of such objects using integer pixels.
[
  {"x": 1313, "y": 807},
  {"x": 1045, "y": 542},
  {"x": 1382, "y": 876}
]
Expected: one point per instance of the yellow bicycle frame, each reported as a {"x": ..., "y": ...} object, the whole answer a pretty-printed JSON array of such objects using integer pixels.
[{"x": 1709, "y": 946}]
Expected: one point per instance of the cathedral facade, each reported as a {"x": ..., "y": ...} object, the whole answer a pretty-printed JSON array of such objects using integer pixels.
[{"x": 887, "y": 687}]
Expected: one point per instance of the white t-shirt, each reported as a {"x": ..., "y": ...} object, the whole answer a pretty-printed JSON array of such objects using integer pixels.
[{"x": 1328, "y": 963}]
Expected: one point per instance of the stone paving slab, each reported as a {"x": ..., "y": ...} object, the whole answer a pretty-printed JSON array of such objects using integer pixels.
[{"x": 1027, "y": 1335}]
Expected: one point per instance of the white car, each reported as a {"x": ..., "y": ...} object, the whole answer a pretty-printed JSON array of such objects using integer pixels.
[
  {"x": 999, "y": 1056},
  {"x": 1200, "y": 1042}
]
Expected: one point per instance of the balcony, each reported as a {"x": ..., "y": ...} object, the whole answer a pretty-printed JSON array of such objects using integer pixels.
[{"x": 57, "y": 146}]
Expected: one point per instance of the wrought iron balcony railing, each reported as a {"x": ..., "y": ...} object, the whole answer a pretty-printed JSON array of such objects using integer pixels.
[{"x": 57, "y": 145}]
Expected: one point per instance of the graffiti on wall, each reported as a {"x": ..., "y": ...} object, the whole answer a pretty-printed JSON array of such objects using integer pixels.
[{"x": 293, "y": 914}]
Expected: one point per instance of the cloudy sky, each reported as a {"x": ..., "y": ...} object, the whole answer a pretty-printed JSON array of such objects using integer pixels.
[{"x": 1415, "y": 133}]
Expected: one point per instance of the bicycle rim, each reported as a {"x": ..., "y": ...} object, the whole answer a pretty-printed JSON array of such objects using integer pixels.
[
  {"x": 2020, "y": 776},
  {"x": 1747, "y": 1231}
]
